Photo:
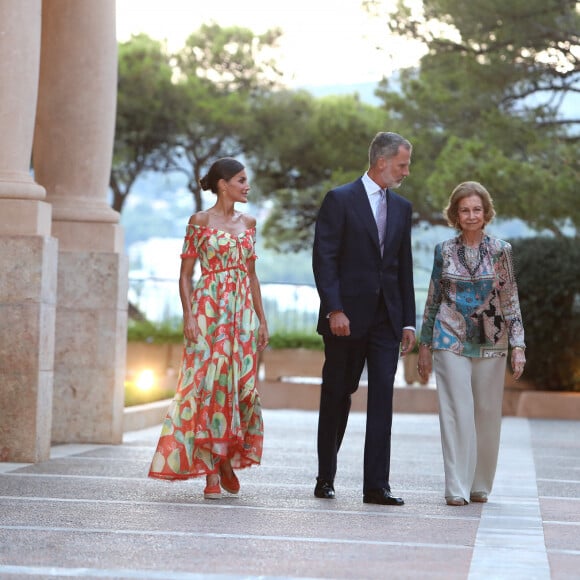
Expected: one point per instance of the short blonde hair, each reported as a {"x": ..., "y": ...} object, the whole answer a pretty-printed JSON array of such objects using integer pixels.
[{"x": 463, "y": 190}]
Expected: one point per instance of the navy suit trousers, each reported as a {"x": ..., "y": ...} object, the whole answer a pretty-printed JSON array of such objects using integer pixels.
[{"x": 345, "y": 359}]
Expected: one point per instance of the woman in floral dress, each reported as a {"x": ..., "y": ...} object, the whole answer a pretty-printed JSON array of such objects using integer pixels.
[{"x": 214, "y": 423}]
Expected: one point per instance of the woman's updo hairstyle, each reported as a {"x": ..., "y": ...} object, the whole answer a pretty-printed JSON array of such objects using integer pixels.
[{"x": 224, "y": 168}]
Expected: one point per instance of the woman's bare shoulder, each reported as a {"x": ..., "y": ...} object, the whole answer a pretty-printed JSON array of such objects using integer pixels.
[
  {"x": 248, "y": 221},
  {"x": 201, "y": 218}
]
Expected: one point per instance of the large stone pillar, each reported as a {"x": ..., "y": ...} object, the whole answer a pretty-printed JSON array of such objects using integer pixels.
[
  {"x": 28, "y": 253},
  {"x": 73, "y": 147}
]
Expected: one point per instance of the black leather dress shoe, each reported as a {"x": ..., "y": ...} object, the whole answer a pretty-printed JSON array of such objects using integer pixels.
[
  {"x": 381, "y": 497},
  {"x": 324, "y": 489}
]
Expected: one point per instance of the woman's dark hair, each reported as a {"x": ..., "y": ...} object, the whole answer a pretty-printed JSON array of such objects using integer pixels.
[{"x": 224, "y": 168}]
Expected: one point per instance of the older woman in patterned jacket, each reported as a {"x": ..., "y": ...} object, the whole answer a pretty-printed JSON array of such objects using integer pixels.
[{"x": 472, "y": 317}]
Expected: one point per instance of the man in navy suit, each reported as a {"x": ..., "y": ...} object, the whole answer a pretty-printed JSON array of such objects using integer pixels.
[{"x": 363, "y": 269}]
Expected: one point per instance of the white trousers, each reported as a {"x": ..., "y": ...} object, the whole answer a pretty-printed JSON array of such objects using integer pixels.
[{"x": 470, "y": 393}]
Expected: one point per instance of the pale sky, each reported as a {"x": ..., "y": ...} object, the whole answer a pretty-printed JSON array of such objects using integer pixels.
[{"x": 325, "y": 42}]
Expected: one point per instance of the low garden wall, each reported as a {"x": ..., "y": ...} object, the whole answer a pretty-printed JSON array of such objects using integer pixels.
[{"x": 290, "y": 379}]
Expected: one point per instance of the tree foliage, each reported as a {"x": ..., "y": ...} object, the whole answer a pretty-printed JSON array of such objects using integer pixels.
[
  {"x": 300, "y": 148},
  {"x": 489, "y": 102},
  {"x": 220, "y": 72},
  {"x": 179, "y": 112},
  {"x": 144, "y": 123}
]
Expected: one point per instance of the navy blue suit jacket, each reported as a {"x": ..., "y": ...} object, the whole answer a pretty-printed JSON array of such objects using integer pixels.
[{"x": 349, "y": 271}]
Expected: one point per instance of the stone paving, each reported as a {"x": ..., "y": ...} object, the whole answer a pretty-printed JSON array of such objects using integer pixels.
[{"x": 91, "y": 512}]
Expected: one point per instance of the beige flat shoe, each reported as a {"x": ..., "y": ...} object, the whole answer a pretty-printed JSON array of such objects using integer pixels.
[
  {"x": 455, "y": 500},
  {"x": 478, "y": 496}
]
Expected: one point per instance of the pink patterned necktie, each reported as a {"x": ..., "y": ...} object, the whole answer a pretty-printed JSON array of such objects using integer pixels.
[{"x": 382, "y": 218}]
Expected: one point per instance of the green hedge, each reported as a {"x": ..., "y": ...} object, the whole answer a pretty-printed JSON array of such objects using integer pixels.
[
  {"x": 311, "y": 341},
  {"x": 172, "y": 333},
  {"x": 162, "y": 333},
  {"x": 548, "y": 276}
]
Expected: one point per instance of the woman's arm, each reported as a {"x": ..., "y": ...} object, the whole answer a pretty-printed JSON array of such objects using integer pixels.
[
  {"x": 510, "y": 306},
  {"x": 509, "y": 299},
  {"x": 188, "y": 260},
  {"x": 263, "y": 336},
  {"x": 190, "y": 328},
  {"x": 434, "y": 296},
  {"x": 425, "y": 364}
]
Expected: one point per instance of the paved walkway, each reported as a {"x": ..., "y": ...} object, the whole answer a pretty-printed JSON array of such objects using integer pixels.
[{"x": 90, "y": 512}]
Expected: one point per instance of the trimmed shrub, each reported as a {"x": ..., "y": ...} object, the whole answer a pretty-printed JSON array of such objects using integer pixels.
[
  {"x": 548, "y": 275},
  {"x": 308, "y": 340},
  {"x": 150, "y": 332},
  {"x": 172, "y": 333}
]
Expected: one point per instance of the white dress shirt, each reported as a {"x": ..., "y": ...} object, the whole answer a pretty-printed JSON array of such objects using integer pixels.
[{"x": 374, "y": 192}]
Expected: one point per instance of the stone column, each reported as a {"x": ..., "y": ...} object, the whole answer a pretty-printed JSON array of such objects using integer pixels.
[
  {"x": 28, "y": 253},
  {"x": 73, "y": 147}
]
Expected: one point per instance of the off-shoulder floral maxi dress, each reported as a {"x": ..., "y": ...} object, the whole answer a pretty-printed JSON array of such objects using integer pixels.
[{"x": 216, "y": 410}]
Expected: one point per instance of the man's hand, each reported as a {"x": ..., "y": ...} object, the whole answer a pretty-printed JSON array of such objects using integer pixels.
[
  {"x": 408, "y": 341},
  {"x": 339, "y": 324}
]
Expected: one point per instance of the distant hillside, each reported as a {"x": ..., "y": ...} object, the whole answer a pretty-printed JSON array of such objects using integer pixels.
[{"x": 366, "y": 91}]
